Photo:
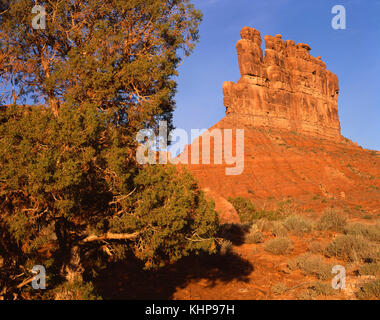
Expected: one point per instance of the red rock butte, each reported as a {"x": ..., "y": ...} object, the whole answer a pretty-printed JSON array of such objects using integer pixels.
[
  {"x": 287, "y": 88},
  {"x": 286, "y": 102}
]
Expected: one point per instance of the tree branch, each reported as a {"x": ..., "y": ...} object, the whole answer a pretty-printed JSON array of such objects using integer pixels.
[{"x": 111, "y": 236}]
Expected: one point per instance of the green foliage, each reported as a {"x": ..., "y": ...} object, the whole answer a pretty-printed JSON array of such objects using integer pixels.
[
  {"x": 165, "y": 238},
  {"x": 279, "y": 246},
  {"x": 68, "y": 178},
  {"x": 72, "y": 196},
  {"x": 76, "y": 291},
  {"x": 114, "y": 54},
  {"x": 249, "y": 214}
]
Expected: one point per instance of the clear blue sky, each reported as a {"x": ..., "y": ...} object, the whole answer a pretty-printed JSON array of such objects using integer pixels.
[{"x": 353, "y": 54}]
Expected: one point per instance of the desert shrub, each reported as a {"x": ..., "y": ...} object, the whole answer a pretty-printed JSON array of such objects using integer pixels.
[
  {"x": 370, "y": 232},
  {"x": 369, "y": 290},
  {"x": 245, "y": 209},
  {"x": 353, "y": 248},
  {"x": 332, "y": 220},
  {"x": 298, "y": 224},
  {"x": 278, "y": 229},
  {"x": 311, "y": 264},
  {"x": 370, "y": 269},
  {"x": 254, "y": 236},
  {"x": 76, "y": 291},
  {"x": 306, "y": 295},
  {"x": 316, "y": 247},
  {"x": 249, "y": 214},
  {"x": 279, "y": 288},
  {"x": 264, "y": 225},
  {"x": 279, "y": 246},
  {"x": 322, "y": 289}
]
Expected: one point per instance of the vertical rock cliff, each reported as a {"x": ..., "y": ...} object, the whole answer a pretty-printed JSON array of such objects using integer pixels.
[{"x": 286, "y": 88}]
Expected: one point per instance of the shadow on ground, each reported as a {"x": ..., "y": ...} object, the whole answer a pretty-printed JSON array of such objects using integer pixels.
[{"x": 130, "y": 282}]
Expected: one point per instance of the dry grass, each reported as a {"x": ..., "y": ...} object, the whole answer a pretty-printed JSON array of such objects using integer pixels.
[
  {"x": 332, "y": 220},
  {"x": 279, "y": 288},
  {"x": 311, "y": 265},
  {"x": 369, "y": 232},
  {"x": 370, "y": 269},
  {"x": 369, "y": 290},
  {"x": 353, "y": 249},
  {"x": 254, "y": 236},
  {"x": 298, "y": 224},
  {"x": 322, "y": 289},
  {"x": 316, "y": 247},
  {"x": 279, "y": 246}
]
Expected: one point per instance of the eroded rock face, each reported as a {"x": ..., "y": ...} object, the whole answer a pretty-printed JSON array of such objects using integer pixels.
[{"x": 286, "y": 89}]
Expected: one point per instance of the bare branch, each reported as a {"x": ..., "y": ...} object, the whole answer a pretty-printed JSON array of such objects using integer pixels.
[{"x": 111, "y": 236}]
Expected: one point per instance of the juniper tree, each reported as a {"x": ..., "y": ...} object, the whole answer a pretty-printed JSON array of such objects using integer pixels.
[{"x": 72, "y": 196}]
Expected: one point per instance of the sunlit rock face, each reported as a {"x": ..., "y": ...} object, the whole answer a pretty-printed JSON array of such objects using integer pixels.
[{"x": 286, "y": 88}]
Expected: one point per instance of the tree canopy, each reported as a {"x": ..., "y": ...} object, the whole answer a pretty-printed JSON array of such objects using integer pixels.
[{"x": 72, "y": 197}]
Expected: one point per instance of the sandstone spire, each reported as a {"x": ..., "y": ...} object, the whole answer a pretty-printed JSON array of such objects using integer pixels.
[{"x": 287, "y": 88}]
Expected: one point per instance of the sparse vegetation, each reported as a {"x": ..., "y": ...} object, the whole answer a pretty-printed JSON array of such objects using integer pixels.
[
  {"x": 370, "y": 269},
  {"x": 322, "y": 289},
  {"x": 369, "y": 290},
  {"x": 370, "y": 232},
  {"x": 332, "y": 220},
  {"x": 254, "y": 236},
  {"x": 279, "y": 246},
  {"x": 353, "y": 248},
  {"x": 249, "y": 214},
  {"x": 279, "y": 288},
  {"x": 76, "y": 291},
  {"x": 316, "y": 247},
  {"x": 311, "y": 264},
  {"x": 298, "y": 224}
]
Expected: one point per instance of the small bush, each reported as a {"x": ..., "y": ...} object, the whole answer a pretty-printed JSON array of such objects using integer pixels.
[
  {"x": 353, "y": 248},
  {"x": 254, "y": 236},
  {"x": 278, "y": 246},
  {"x": 298, "y": 224},
  {"x": 370, "y": 269},
  {"x": 76, "y": 291},
  {"x": 264, "y": 225},
  {"x": 279, "y": 288},
  {"x": 369, "y": 290},
  {"x": 249, "y": 214},
  {"x": 316, "y": 247},
  {"x": 278, "y": 229},
  {"x": 332, "y": 220},
  {"x": 369, "y": 232},
  {"x": 322, "y": 289},
  {"x": 311, "y": 264}
]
